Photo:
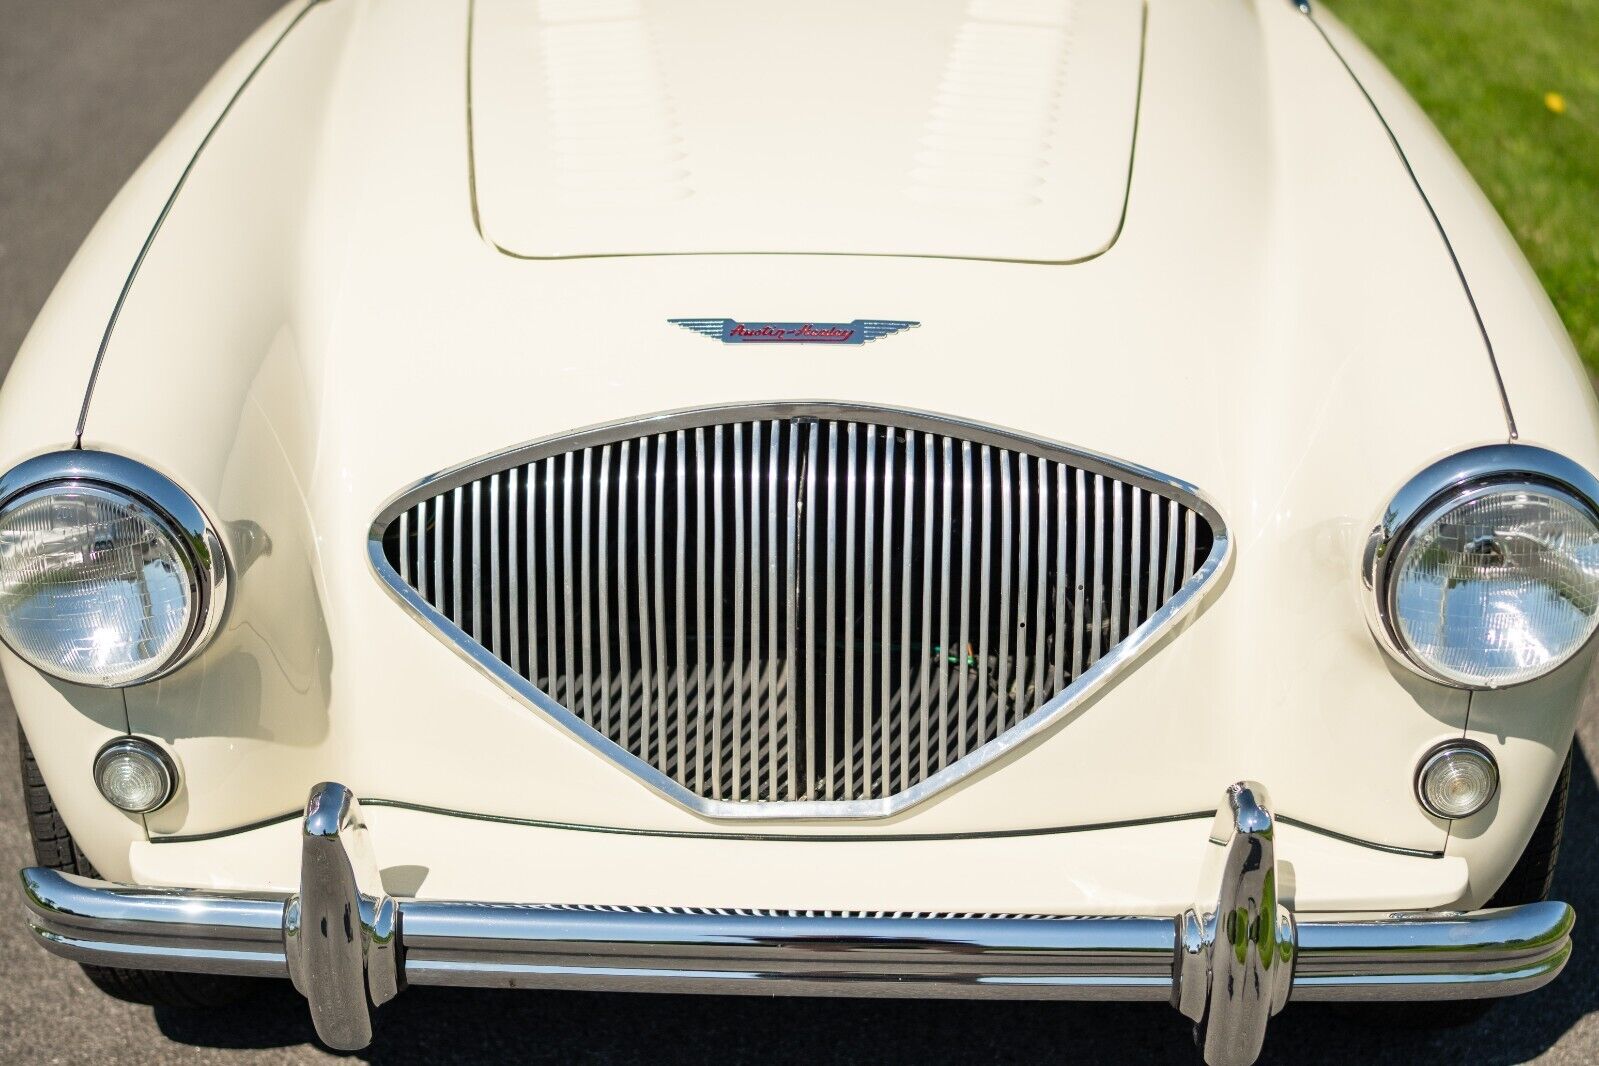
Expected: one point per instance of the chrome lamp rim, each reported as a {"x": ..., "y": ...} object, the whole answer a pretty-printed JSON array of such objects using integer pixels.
[
  {"x": 1446, "y": 483},
  {"x": 1133, "y": 647},
  {"x": 202, "y": 545}
]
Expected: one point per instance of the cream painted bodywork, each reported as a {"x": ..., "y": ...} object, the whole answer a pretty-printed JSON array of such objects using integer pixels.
[
  {"x": 998, "y": 129},
  {"x": 327, "y": 314}
]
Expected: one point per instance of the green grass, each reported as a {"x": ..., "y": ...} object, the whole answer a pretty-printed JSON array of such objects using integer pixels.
[{"x": 1482, "y": 69}]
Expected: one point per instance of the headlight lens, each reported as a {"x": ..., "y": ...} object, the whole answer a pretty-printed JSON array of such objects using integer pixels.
[
  {"x": 96, "y": 586},
  {"x": 1496, "y": 584}
]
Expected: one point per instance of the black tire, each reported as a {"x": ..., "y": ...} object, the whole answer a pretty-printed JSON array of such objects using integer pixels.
[
  {"x": 53, "y": 847},
  {"x": 1528, "y": 882},
  {"x": 1534, "y": 872}
]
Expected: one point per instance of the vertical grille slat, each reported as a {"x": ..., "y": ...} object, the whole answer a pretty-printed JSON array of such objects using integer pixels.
[
  {"x": 1041, "y": 600},
  {"x": 646, "y": 630},
  {"x": 848, "y": 750},
  {"x": 680, "y": 602},
  {"x": 982, "y": 600},
  {"x": 830, "y": 724},
  {"x": 799, "y": 609},
  {"x": 751, "y": 714},
  {"x": 1004, "y": 622},
  {"x": 569, "y": 589},
  {"x": 716, "y": 620},
  {"x": 586, "y": 635},
  {"x": 1172, "y": 511},
  {"x": 1079, "y": 632},
  {"x": 604, "y": 568},
  {"x": 735, "y": 727},
  {"x": 515, "y": 593},
  {"x": 941, "y": 649},
  {"x": 868, "y": 594},
  {"x": 422, "y": 550},
  {"x": 658, "y": 557},
  {"x": 455, "y": 554},
  {"x": 1114, "y": 555},
  {"x": 906, "y": 681},
  {"x": 547, "y": 535},
  {"x": 624, "y": 607},
  {"x": 963, "y": 643},
  {"x": 924, "y": 687},
  {"x": 438, "y": 553},
  {"x": 885, "y": 646},
  {"x": 494, "y": 566},
  {"x": 1096, "y": 625},
  {"x": 477, "y": 561},
  {"x": 809, "y": 651},
  {"x": 773, "y": 596},
  {"x": 703, "y": 708}
]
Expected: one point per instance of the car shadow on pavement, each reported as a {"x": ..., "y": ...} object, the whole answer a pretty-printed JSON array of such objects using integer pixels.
[{"x": 437, "y": 1025}]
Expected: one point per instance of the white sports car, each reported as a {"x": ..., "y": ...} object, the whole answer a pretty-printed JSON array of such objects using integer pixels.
[{"x": 821, "y": 499}]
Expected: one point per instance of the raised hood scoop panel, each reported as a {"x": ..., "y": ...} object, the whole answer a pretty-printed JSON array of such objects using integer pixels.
[{"x": 989, "y": 129}]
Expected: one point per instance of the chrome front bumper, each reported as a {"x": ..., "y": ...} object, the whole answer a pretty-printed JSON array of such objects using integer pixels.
[{"x": 348, "y": 946}]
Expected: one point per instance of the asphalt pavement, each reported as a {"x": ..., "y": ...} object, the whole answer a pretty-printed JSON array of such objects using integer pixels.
[{"x": 87, "y": 87}]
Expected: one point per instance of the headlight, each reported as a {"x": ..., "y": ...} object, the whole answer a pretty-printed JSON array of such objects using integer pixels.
[
  {"x": 1485, "y": 570},
  {"x": 109, "y": 574}
]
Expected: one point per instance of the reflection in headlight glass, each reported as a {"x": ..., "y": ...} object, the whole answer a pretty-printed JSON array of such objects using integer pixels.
[
  {"x": 93, "y": 588},
  {"x": 1499, "y": 587}
]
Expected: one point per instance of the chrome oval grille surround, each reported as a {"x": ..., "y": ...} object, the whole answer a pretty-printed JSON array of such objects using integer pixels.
[{"x": 754, "y": 608}]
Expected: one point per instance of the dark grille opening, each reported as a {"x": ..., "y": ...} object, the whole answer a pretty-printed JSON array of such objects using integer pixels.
[{"x": 798, "y": 609}]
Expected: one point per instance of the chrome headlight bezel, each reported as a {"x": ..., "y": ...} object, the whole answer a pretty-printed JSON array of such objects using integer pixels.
[
  {"x": 205, "y": 559},
  {"x": 1449, "y": 482}
]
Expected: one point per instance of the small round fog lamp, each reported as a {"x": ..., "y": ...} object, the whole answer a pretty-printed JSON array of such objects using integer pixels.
[
  {"x": 134, "y": 775},
  {"x": 1456, "y": 780}
]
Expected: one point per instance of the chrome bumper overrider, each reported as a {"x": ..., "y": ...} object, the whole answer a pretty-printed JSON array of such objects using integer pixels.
[{"x": 348, "y": 946}]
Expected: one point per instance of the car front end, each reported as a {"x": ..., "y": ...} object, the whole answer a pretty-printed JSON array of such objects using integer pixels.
[{"x": 460, "y": 560}]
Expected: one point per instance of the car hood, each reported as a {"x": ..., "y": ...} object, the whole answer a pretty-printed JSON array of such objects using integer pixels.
[
  {"x": 319, "y": 324},
  {"x": 999, "y": 129}
]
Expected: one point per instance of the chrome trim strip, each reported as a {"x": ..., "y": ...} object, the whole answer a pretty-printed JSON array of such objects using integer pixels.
[
  {"x": 166, "y": 209},
  {"x": 823, "y": 838},
  {"x": 686, "y": 834},
  {"x": 1458, "y": 475},
  {"x": 1432, "y": 212},
  {"x": 210, "y": 575},
  {"x": 1085, "y": 683}
]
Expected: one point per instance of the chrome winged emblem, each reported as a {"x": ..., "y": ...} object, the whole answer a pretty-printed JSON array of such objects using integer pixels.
[{"x": 732, "y": 331}]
